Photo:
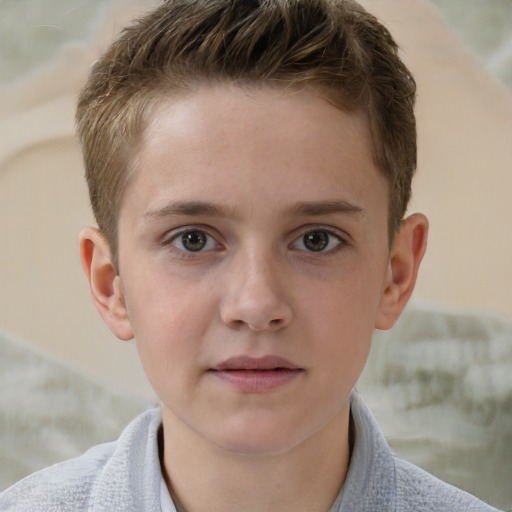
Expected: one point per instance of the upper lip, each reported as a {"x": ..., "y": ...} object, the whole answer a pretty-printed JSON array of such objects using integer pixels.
[{"x": 255, "y": 363}]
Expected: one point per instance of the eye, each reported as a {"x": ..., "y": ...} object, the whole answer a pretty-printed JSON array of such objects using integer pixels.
[
  {"x": 193, "y": 240},
  {"x": 318, "y": 240}
]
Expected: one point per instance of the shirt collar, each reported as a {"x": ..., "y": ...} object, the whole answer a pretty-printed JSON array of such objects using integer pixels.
[{"x": 370, "y": 483}]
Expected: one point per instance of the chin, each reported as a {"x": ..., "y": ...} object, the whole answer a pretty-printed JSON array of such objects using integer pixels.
[{"x": 253, "y": 438}]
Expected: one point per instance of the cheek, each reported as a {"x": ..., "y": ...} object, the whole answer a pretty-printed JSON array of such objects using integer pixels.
[
  {"x": 169, "y": 346},
  {"x": 348, "y": 299},
  {"x": 165, "y": 303},
  {"x": 342, "y": 349},
  {"x": 342, "y": 316},
  {"x": 169, "y": 320}
]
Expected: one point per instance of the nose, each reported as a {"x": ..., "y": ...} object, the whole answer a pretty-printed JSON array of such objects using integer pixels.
[{"x": 254, "y": 297}]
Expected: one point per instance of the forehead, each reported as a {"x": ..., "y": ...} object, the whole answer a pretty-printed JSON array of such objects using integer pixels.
[{"x": 233, "y": 144}]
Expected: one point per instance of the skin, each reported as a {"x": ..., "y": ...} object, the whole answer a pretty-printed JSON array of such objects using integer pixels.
[{"x": 282, "y": 190}]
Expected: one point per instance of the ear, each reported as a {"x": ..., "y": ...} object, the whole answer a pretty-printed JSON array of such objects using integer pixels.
[
  {"x": 105, "y": 285},
  {"x": 406, "y": 254}
]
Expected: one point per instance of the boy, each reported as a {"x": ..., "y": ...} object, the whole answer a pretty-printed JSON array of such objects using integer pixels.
[{"x": 249, "y": 165}]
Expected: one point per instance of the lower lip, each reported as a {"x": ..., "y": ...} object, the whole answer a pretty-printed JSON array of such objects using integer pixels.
[{"x": 257, "y": 381}]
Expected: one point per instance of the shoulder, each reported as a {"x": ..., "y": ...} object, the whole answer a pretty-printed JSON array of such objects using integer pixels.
[
  {"x": 377, "y": 480},
  {"x": 419, "y": 491},
  {"x": 64, "y": 486},
  {"x": 76, "y": 484}
]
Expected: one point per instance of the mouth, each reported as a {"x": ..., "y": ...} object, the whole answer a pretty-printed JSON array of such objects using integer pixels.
[{"x": 256, "y": 375}]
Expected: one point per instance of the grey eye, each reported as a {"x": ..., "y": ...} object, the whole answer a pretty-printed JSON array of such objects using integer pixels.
[
  {"x": 316, "y": 240},
  {"x": 194, "y": 241}
]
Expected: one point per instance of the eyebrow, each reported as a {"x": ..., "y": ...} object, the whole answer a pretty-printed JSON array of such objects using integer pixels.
[
  {"x": 318, "y": 208},
  {"x": 189, "y": 208},
  {"x": 204, "y": 208}
]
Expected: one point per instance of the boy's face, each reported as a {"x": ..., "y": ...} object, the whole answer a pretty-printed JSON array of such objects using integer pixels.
[{"x": 253, "y": 253}]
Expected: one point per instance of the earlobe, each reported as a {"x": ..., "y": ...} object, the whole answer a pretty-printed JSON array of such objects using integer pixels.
[
  {"x": 408, "y": 250},
  {"x": 104, "y": 283}
]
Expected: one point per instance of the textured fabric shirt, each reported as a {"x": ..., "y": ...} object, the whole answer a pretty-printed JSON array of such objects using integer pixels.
[{"x": 125, "y": 476}]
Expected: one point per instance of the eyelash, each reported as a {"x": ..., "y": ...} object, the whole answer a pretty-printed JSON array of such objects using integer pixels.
[
  {"x": 341, "y": 241},
  {"x": 185, "y": 253}
]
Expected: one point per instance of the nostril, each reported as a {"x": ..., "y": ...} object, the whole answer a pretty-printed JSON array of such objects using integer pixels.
[
  {"x": 237, "y": 324},
  {"x": 269, "y": 324},
  {"x": 254, "y": 312}
]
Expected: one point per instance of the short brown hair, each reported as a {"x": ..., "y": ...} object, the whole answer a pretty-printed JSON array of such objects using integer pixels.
[{"x": 332, "y": 45}]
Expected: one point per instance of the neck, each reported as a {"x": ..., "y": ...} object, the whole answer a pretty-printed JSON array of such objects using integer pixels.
[{"x": 307, "y": 477}]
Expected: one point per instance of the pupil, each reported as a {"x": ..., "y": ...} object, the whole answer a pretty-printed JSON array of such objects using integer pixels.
[
  {"x": 193, "y": 240},
  {"x": 316, "y": 240}
]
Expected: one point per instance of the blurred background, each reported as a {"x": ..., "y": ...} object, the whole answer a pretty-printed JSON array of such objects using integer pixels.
[{"x": 460, "y": 52}]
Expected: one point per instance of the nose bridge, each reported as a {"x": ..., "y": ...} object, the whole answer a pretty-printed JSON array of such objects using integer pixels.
[
  {"x": 258, "y": 265},
  {"x": 255, "y": 297}
]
